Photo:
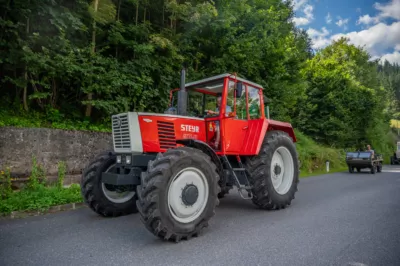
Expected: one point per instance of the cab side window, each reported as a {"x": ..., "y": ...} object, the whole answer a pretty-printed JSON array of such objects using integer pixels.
[
  {"x": 241, "y": 110},
  {"x": 254, "y": 102},
  {"x": 230, "y": 101}
]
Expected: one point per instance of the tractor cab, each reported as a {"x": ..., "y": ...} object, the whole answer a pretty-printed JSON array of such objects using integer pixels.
[
  {"x": 229, "y": 106},
  {"x": 224, "y": 95}
]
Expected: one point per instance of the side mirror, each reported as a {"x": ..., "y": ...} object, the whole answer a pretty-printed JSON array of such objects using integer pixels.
[
  {"x": 266, "y": 111},
  {"x": 239, "y": 89}
]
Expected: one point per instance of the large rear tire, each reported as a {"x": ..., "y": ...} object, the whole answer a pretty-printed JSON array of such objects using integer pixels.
[
  {"x": 102, "y": 198},
  {"x": 274, "y": 172},
  {"x": 178, "y": 194}
]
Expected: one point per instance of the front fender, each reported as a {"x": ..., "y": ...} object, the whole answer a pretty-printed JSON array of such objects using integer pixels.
[{"x": 204, "y": 147}]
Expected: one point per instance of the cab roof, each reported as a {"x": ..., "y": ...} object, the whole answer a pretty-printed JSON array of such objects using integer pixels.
[{"x": 214, "y": 78}]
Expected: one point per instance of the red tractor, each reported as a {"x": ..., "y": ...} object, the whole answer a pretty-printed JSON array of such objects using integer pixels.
[{"x": 172, "y": 168}]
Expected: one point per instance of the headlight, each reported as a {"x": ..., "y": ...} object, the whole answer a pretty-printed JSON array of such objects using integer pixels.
[
  {"x": 128, "y": 159},
  {"x": 118, "y": 158}
]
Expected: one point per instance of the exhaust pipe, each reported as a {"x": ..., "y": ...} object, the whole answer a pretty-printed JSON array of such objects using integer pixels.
[{"x": 182, "y": 94}]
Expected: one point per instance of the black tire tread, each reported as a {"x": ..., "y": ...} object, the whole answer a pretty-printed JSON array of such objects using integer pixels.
[
  {"x": 93, "y": 198},
  {"x": 258, "y": 169},
  {"x": 152, "y": 183}
]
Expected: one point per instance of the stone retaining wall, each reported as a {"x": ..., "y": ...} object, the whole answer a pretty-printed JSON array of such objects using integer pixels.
[{"x": 75, "y": 148}]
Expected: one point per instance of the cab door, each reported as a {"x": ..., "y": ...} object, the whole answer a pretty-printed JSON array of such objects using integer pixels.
[
  {"x": 257, "y": 124},
  {"x": 235, "y": 128}
]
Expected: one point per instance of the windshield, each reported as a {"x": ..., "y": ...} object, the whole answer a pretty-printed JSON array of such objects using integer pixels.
[{"x": 201, "y": 98}]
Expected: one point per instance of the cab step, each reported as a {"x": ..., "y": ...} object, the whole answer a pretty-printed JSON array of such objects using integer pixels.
[{"x": 240, "y": 178}]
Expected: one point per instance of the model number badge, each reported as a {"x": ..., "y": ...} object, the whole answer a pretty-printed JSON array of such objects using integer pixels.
[{"x": 190, "y": 128}]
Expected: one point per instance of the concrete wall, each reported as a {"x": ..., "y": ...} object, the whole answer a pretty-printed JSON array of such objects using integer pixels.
[{"x": 76, "y": 148}]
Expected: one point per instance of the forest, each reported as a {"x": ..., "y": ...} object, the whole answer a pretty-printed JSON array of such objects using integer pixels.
[{"x": 71, "y": 64}]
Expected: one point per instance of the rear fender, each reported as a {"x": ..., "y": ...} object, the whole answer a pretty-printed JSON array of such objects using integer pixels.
[
  {"x": 258, "y": 128},
  {"x": 204, "y": 147},
  {"x": 282, "y": 126}
]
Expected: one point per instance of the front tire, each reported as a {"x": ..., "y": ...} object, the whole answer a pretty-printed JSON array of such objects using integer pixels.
[
  {"x": 274, "y": 172},
  {"x": 373, "y": 169},
  {"x": 379, "y": 168},
  {"x": 179, "y": 194},
  {"x": 103, "y": 198}
]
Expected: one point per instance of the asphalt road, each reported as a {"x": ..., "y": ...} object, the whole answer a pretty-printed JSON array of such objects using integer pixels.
[{"x": 336, "y": 219}]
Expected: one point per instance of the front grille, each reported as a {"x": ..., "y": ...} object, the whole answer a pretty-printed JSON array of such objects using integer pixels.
[
  {"x": 166, "y": 134},
  {"x": 120, "y": 127}
]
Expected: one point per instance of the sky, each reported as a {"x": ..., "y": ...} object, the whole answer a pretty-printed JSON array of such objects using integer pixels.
[{"x": 372, "y": 24}]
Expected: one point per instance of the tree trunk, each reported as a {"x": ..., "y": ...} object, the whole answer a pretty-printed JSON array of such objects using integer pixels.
[
  {"x": 88, "y": 112},
  {"x": 137, "y": 12},
  {"x": 25, "y": 95},
  {"x": 118, "y": 11}
]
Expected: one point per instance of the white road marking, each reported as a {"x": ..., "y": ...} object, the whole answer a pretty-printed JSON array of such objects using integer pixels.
[{"x": 357, "y": 264}]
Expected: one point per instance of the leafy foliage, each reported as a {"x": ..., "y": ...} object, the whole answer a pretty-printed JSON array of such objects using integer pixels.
[
  {"x": 72, "y": 64},
  {"x": 36, "y": 195}
]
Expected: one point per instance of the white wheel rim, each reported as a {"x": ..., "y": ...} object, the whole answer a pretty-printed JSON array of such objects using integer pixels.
[
  {"x": 114, "y": 196},
  {"x": 282, "y": 170},
  {"x": 178, "y": 209}
]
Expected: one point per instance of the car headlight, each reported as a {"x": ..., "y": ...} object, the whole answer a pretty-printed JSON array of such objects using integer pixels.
[{"x": 118, "y": 158}]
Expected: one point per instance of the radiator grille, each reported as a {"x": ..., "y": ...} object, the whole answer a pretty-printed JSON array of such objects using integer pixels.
[
  {"x": 166, "y": 135},
  {"x": 120, "y": 127}
]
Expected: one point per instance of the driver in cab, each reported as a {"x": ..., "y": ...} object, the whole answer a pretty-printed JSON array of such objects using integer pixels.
[{"x": 228, "y": 109}]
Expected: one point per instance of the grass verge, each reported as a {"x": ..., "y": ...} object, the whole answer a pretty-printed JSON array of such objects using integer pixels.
[
  {"x": 322, "y": 172},
  {"x": 313, "y": 157},
  {"x": 36, "y": 195},
  {"x": 40, "y": 198}
]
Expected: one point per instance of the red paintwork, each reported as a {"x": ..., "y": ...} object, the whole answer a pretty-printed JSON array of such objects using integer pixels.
[
  {"x": 238, "y": 137},
  {"x": 150, "y": 135},
  {"x": 283, "y": 126}
]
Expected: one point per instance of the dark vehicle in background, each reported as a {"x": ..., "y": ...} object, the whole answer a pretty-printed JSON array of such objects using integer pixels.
[{"x": 364, "y": 159}]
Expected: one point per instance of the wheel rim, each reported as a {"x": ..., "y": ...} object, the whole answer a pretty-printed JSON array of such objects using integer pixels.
[
  {"x": 113, "y": 195},
  {"x": 188, "y": 195},
  {"x": 282, "y": 170}
]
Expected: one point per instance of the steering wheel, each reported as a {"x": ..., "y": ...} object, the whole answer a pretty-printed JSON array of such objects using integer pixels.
[{"x": 207, "y": 113}]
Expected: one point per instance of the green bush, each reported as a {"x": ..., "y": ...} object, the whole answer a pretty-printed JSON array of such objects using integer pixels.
[
  {"x": 40, "y": 198},
  {"x": 35, "y": 120},
  {"x": 313, "y": 156},
  {"x": 36, "y": 195}
]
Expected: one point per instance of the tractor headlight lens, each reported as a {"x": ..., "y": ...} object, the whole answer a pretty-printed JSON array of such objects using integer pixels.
[
  {"x": 128, "y": 159},
  {"x": 118, "y": 158}
]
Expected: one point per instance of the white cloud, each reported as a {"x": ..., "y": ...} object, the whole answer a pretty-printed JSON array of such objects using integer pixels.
[
  {"x": 342, "y": 23},
  {"x": 389, "y": 10},
  {"x": 297, "y": 4},
  {"x": 328, "y": 18},
  {"x": 376, "y": 38},
  {"x": 308, "y": 11},
  {"x": 392, "y": 58},
  {"x": 319, "y": 38},
  {"x": 301, "y": 21},
  {"x": 308, "y": 15},
  {"x": 380, "y": 39},
  {"x": 367, "y": 19}
]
